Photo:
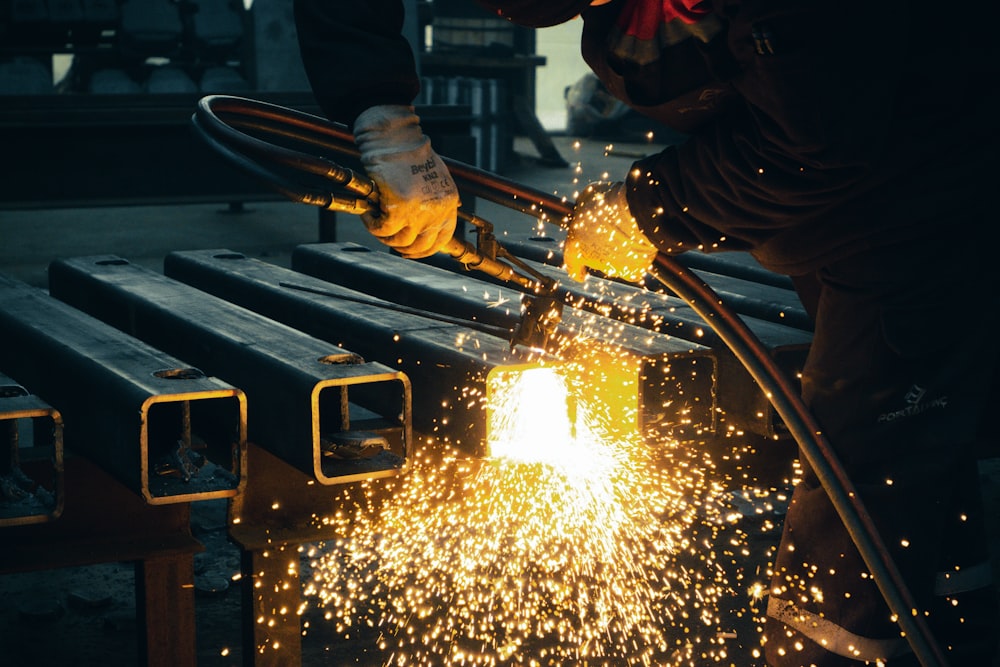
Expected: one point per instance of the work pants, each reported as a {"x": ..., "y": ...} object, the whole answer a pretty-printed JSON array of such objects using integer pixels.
[{"x": 899, "y": 376}]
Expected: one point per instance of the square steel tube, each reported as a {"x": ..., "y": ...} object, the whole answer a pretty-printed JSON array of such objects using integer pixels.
[
  {"x": 742, "y": 405},
  {"x": 747, "y": 288},
  {"x": 674, "y": 379},
  {"x": 449, "y": 364},
  {"x": 31, "y": 475},
  {"x": 304, "y": 395},
  {"x": 135, "y": 411}
]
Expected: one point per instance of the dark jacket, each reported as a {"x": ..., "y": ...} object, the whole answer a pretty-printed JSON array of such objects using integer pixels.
[{"x": 849, "y": 127}]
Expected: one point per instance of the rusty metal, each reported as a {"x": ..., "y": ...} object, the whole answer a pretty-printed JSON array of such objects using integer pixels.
[
  {"x": 31, "y": 475},
  {"x": 136, "y": 411},
  {"x": 448, "y": 363},
  {"x": 164, "y": 586},
  {"x": 268, "y": 522},
  {"x": 306, "y": 396},
  {"x": 676, "y": 378}
]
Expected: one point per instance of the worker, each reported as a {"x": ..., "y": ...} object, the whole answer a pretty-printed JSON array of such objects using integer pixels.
[{"x": 849, "y": 147}]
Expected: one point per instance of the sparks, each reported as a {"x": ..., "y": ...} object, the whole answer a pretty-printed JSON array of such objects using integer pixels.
[{"x": 567, "y": 542}]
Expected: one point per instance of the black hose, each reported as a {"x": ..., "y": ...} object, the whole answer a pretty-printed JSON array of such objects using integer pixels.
[
  {"x": 218, "y": 113},
  {"x": 816, "y": 449},
  {"x": 275, "y": 181}
]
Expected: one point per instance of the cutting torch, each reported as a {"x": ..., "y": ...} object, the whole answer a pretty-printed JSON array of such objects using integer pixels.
[{"x": 306, "y": 178}]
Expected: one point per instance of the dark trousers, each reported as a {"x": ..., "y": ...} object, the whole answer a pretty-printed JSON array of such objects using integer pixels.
[{"x": 899, "y": 376}]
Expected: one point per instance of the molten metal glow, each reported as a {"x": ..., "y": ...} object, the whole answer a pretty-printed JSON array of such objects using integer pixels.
[{"x": 529, "y": 417}]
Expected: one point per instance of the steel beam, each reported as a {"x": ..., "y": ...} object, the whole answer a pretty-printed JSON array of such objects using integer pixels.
[
  {"x": 165, "y": 430},
  {"x": 747, "y": 288},
  {"x": 741, "y": 403},
  {"x": 322, "y": 409},
  {"x": 448, "y": 363},
  {"x": 31, "y": 475},
  {"x": 674, "y": 380}
]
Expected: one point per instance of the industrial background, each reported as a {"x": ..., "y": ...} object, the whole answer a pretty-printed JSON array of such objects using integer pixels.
[{"x": 194, "y": 373}]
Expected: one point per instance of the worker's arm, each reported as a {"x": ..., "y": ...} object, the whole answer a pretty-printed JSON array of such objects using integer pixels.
[
  {"x": 355, "y": 55},
  {"x": 812, "y": 131},
  {"x": 836, "y": 137},
  {"x": 362, "y": 73}
]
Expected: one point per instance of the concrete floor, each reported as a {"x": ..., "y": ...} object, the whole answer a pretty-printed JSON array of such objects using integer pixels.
[{"x": 31, "y": 239}]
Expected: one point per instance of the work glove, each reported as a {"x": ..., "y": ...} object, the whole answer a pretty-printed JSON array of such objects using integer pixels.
[
  {"x": 604, "y": 236},
  {"x": 418, "y": 199}
]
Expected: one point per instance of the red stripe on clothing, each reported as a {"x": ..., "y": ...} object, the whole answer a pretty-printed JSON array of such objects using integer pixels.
[{"x": 642, "y": 18}]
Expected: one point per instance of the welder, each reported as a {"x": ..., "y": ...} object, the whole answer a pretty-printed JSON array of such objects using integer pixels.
[{"x": 848, "y": 147}]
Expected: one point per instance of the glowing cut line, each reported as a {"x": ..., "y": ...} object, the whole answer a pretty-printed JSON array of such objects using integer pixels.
[{"x": 529, "y": 417}]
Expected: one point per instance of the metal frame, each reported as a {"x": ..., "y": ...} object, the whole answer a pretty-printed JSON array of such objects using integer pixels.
[
  {"x": 105, "y": 522},
  {"x": 688, "y": 385}
]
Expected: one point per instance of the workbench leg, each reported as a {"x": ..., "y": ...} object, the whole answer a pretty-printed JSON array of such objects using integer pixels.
[
  {"x": 164, "y": 591},
  {"x": 272, "y": 594}
]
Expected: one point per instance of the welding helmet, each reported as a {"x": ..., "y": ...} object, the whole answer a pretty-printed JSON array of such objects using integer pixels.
[{"x": 536, "y": 13}]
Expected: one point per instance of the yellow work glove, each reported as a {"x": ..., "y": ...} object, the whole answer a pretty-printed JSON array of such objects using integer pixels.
[
  {"x": 604, "y": 236},
  {"x": 418, "y": 198}
]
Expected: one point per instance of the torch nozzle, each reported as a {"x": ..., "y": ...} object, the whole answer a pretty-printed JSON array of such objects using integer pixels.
[
  {"x": 539, "y": 319},
  {"x": 542, "y": 309}
]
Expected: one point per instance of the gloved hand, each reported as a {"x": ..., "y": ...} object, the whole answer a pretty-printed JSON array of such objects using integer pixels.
[
  {"x": 604, "y": 236},
  {"x": 419, "y": 200}
]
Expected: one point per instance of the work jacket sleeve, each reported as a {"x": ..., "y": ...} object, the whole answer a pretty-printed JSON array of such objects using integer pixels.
[
  {"x": 825, "y": 115},
  {"x": 355, "y": 55}
]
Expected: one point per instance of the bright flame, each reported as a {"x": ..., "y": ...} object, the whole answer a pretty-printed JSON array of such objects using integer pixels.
[{"x": 529, "y": 416}]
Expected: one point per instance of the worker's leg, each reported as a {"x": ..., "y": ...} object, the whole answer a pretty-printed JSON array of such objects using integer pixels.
[{"x": 898, "y": 394}]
